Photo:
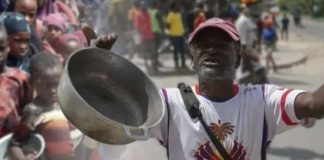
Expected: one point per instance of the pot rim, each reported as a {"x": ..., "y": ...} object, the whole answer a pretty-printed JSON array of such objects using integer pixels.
[{"x": 105, "y": 118}]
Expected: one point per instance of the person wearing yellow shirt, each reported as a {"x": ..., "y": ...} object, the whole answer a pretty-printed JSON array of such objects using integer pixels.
[{"x": 176, "y": 32}]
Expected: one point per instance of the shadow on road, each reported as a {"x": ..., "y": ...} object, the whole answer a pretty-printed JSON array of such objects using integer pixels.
[{"x": 295, "y": 153}]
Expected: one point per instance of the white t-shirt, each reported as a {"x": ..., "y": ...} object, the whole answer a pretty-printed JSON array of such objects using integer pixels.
[
  {"x": 246, "y": 29},
  {"x": 238, "y": 123}
]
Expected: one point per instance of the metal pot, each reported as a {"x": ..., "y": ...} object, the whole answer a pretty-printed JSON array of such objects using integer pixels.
[{"x": 108, "y": 98}]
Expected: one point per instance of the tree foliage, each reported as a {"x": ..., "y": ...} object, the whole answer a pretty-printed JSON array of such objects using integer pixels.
[{"x": 306, "y": 6}]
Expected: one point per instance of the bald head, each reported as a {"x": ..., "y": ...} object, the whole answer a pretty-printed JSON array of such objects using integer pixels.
[{"x": 27, "y": 8}]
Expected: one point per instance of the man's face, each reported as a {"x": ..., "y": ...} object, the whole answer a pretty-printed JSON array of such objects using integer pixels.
[
  {"x": 27, "y": 8},
  {"x": 18, "y": 43},
  {"x": 4, "y": 48},
  {"x": 46, "y": 85},
  {"x": 214, "y": 55}
]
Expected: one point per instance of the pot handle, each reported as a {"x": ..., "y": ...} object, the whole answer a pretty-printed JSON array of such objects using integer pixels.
[{"x": 137, "y": 133}]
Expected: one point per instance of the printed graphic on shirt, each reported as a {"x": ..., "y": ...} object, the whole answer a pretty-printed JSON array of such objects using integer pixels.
[{"x": 222, "y": 131}]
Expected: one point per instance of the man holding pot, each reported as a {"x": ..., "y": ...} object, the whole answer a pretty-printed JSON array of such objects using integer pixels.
[{"x": 243, "y": 119}]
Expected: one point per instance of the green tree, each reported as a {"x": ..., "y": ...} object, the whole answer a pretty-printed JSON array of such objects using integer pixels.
[{"x": 306, "y": 6}]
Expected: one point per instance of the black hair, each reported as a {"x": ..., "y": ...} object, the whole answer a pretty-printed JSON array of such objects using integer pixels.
[
  {"x": 42, "y": 62},
  {"x": 136, "y": 3},
  {"x": 155, "y": 4},
  {"x": 174, "y": 6},
  {"x": 200, "y": 5},
  {"x": 11, "y": 6}
]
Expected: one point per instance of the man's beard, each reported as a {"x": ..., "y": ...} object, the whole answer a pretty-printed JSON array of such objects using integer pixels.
[{"x": 213, "y": 74}]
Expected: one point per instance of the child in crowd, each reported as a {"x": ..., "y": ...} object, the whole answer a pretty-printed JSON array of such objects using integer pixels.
[
  {"x": 18, "y": 36},
  {"x": 15, "y": 91},
  {"x": 46, "y": 7},
  {"x": 43, "y": 114},
  {"x": 56, "y": 26},
  {"x": 28, "y": 9}
]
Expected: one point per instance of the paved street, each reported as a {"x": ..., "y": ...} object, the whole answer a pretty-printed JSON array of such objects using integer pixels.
[
  {"x": 301, "y": 143},
  {"x": 296, "y": 144}
]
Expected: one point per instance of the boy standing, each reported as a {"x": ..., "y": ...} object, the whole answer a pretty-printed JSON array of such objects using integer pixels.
[{"x": 43, "y": 114}]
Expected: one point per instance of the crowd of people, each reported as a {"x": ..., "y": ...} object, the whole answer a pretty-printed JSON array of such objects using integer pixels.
[
  {"x": 37, "y": 37},
  {"x": 145, "y": 28}
]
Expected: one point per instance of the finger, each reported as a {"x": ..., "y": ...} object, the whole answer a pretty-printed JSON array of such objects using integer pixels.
[
  {"x": 112, "y": 39},
  {"x": 101, "y": 39},
  {"x": 109, "y": 37},
  {"x": 106, "y": 39},
  {"x": 114, "y": 36}
]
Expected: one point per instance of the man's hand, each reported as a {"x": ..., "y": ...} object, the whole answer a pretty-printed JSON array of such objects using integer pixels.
[
  {"x": 310, "y": 104},
  {"x": 105, "y": 41}
]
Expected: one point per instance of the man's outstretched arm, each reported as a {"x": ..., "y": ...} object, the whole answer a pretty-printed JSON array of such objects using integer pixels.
[{"x": 310, "y": 104}]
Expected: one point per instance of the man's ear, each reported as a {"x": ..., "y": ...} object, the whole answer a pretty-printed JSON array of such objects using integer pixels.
[
  {"x": 238, "y": 57},
  {"x": 192, "y": 62}
]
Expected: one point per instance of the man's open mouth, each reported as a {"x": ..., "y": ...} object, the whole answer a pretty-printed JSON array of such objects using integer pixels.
[{"x": 213, "y": 63}]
